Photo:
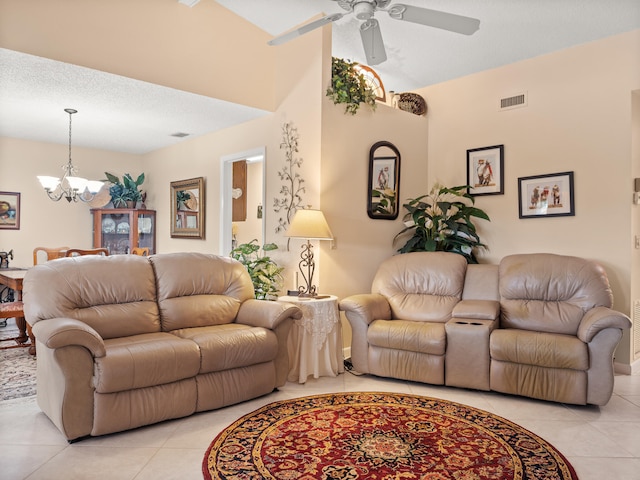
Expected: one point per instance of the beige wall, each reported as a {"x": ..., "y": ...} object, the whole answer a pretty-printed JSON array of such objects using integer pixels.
[
  {"x": 44, "y": 223},
  {"x": 578, "y": 119},
  {"x": 157, "y": 41}
]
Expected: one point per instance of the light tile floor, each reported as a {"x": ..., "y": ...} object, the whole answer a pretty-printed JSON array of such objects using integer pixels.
[{"x": 600, "y": 442}]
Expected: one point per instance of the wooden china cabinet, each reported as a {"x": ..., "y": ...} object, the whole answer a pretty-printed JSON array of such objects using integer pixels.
[{"x": 121, "y": 229}]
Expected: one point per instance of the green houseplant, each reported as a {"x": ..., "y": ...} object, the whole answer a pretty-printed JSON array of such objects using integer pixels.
[
  {"x": 442, "y": 221},
  {"x": 125, "y": 191},
  {"x": 349, "y": 86},
  {"x": 265, "y": 274}
]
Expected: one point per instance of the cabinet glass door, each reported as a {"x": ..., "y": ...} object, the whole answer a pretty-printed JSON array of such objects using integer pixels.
[
  {"x": 146, "y": 235},
  {"x": 116, "y": 231}
]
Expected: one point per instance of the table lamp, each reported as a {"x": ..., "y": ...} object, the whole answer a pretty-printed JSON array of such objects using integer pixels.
[{"x": 310, "y": 225}]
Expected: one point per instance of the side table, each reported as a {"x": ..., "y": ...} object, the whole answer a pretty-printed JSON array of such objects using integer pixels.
[{"x": 315, "y": 340}]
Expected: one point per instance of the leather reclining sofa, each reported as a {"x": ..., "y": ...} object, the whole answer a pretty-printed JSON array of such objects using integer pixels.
[
  {"x": 536, "y": 325},
  {"x": 125, "y": 341}
]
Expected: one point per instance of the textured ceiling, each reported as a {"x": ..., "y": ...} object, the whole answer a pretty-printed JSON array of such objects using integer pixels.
[
  {"x": 115, "y": 113},
  {"x": 120, "y": 114}
]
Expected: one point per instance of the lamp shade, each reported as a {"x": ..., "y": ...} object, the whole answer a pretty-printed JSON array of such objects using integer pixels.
[{"x": 309, "y": 224}]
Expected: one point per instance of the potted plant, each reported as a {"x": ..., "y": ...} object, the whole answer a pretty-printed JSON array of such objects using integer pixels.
[
  {"x": 125, "y": 193},
  {"x": 349, "y": 86},
  {"x": 265, "y": 274},
  {"x": 442, "y": 221}
]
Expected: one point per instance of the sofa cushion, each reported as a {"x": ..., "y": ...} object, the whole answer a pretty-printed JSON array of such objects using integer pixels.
[
  {"x": 422, "y": 337},
  {"x": 421, "y": 286},
  {"x": 550, "y": 293},
  {"x": 196, "y": 289},
  {"x": 540, "y": 349},
  {"x": 144, "y": 361},
  {"x": 223, "y": 347},
  {"x": 114, "y": 295}
]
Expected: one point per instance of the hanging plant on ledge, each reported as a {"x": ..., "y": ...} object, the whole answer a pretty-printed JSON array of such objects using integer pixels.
[{"x": 350, "y": 87}]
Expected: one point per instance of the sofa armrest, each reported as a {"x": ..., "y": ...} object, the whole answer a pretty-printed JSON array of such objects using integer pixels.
[
  {"x": 600, "y": 318},
  {"x": 361, "y": 310},
  {"x": 275, "y": 316},
  {"x": 64, "y": 332},
  {"x": 366, "y": 307},
  {"x": 266, "y": 314},
  {"x": 476, "y": 309}
]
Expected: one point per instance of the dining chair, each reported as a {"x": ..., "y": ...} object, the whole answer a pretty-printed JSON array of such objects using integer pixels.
[
  {"x": 16, "y": 310},
  {"x": 76, "y": 252},
  {"x": 143, "y": 251},
  {"x": 48, "y": 254}
]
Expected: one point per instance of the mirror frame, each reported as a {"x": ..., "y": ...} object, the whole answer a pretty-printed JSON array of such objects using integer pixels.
[
  {"x": 376, "y": 164},
  {"x": 183, "y": 232}
]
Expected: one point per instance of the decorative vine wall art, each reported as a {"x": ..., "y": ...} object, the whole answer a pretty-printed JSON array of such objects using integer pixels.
[{"x": 290, "y": 198}]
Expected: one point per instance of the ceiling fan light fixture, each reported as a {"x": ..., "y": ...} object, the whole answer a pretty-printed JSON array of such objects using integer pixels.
[{"x": 363, "y": 10}]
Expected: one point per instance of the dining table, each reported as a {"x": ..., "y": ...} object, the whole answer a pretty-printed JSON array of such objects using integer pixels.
[{"x": 12, "y": 277}]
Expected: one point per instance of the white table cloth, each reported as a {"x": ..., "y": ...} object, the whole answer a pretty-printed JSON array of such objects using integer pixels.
[{"x": 315, "y": 341}]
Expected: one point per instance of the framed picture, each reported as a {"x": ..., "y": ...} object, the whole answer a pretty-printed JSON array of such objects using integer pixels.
[
  {"x": 485, "y": 170},
  {"x": 187, "y": 208},
  {"x": 9, "y": 211},
  {"x": 384, "y": 181},
  {"x": 546, "y": 195}
]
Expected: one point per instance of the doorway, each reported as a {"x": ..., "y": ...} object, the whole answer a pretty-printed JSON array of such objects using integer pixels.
[{"x": 245, "y": 200}]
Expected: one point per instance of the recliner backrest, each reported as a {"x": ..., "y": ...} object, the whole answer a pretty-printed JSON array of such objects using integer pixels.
[
  {"x": 550, "y": 293},
  {"x": 422, "y": 286},
  {"x": 115, "y": 295},
  {"x": 197, "y": 289}
]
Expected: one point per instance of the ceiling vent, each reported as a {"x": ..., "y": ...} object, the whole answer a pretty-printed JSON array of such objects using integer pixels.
[
  {"x": 180, "y": 134},
  {"x": 516, "y": 101}
]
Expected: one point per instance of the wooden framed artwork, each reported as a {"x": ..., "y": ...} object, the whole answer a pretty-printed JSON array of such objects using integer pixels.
[
  {"x": 546, "y": 195},
  {"x": 187, "y": 208},
  {"x": 384, "y": 181},
  {"x": 9, "y": 211},
  {"x": 485, "y": 170}
]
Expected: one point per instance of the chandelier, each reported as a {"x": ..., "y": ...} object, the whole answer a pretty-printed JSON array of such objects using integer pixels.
[{"x": 69, "y": 186}]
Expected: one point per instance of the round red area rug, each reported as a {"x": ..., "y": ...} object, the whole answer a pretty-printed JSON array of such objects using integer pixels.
[{"x": 385, "y": 436}]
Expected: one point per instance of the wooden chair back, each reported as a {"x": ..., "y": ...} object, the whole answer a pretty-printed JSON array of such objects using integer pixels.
[
  {"x": 143, "y": 251},
  {"x": 49, "y": 253},
  {"x": 76, "y": 252}
]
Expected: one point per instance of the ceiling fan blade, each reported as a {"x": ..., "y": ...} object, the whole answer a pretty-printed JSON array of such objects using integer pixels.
[
  {"x": 434, "y": 18},
  {"x": 279, "y": 40},
  {"x": 372, "y": 42}
]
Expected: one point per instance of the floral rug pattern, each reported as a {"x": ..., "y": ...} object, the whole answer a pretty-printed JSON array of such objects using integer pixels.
[
  {"x": 17, "y": 368},
  {"x": 385, "y": 436}
]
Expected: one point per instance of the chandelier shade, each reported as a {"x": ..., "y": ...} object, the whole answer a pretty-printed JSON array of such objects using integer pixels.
[{"x": 69, "y": 186}]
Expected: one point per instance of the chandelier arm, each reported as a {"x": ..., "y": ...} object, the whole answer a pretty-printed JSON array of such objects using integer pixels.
[{"x": 70, "y": 189}]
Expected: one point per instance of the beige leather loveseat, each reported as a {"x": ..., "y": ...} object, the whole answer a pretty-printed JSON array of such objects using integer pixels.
[
  {"x": 125, "y": 341},
  {"x": 537, "y": 325}
]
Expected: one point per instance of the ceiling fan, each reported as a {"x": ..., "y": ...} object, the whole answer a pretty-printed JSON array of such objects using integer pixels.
[{"x": 370, "y": 29}]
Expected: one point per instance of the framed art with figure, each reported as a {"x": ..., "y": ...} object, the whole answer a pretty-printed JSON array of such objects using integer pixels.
[
  {"x": 384, "y": 181},
  {"x": 485, "y": 170},
  {"x": 546, "y": 195},
  {"x": 9, "y": 211}
]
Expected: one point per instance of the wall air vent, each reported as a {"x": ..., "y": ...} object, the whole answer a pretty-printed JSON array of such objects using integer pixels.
[
  {"x": 515, "y": 101},
  {"x": 180, "y": 134}
]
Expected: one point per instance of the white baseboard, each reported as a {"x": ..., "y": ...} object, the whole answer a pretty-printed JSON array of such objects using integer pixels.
[
  {"x": 624, "y": 369},
  {"x": 346, "y": 352}
]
